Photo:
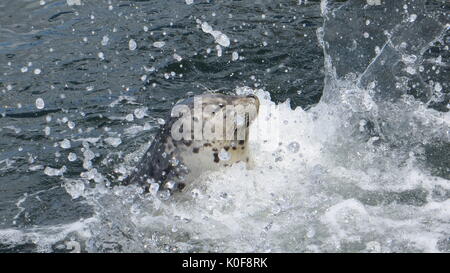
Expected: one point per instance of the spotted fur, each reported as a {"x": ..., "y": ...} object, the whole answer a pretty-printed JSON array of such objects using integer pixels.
[{"x": 173, "y": 164}]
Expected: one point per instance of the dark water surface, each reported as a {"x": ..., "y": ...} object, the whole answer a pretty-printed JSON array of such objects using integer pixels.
[{"x": 274, "y": 40}]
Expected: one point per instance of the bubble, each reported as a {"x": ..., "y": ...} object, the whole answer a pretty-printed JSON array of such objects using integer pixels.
[
  {"x": 189, "y": 2},
  {"x": 24, "y": 69},
  {"x": 47, "y": 131},
  {"x": 37, "y": 71},
  {"x": 40, "y": 103}
]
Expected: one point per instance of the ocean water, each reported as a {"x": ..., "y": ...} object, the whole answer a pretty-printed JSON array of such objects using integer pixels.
[{"x": 351, "y": 147}]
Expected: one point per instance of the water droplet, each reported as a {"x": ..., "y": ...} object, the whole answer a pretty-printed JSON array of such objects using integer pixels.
[
  {"x": 65, "y": 144},
  {"x": 177, "y": 57},
  {"x": 140, "y": 113},
  {"x": 71, "y": 124},
  {"x": 72, "y": 157},
  {"x": 129, "y": 117},
  {"x": 132, "y": 45},
  {"x": 40, "y": 103},
  {"x": 113, "y": 141},
  {"x": 234, "y": 56},
  {"x": 438, "y": 87},
  {"x": 47, "y": 131},
  {"x": 105, "y": 40},
  {"x": 161, "y": 121},
  {"x": 159, "y": 44}
]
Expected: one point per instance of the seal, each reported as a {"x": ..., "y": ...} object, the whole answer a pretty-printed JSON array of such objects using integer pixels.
[{"x": 205, "y": 132}]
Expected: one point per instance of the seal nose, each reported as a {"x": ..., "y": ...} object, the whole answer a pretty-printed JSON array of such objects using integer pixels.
[{"x": 255, "y": 98}]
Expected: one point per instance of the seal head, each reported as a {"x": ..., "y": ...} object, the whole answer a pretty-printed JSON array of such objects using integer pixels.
[{"x": 205, "y": 132}]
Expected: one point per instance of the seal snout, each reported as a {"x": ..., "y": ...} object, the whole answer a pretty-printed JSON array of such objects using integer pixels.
[{"x": 255, "y": 100}]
